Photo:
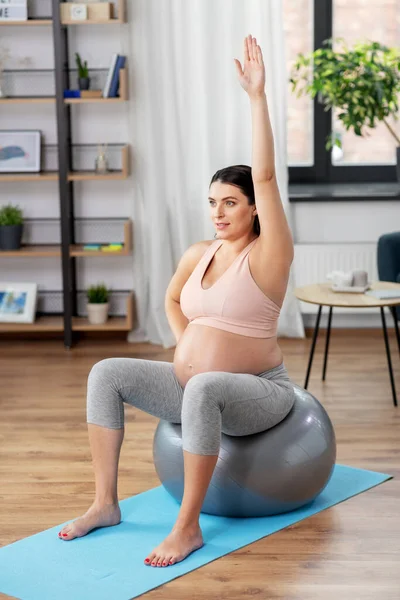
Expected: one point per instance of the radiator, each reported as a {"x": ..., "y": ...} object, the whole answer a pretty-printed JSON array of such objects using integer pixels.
[{"x": 312, "y": 262}]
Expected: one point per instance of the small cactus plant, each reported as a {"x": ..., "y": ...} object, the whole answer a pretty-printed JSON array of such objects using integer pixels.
[{"x": 83, "y": 70}]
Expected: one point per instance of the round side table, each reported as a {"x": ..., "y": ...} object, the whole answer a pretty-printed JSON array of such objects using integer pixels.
[{"x": 321, "y": 294}]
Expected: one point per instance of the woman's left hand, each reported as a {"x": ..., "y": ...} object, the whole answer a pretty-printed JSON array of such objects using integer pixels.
[{"x": 252, "y": 76}]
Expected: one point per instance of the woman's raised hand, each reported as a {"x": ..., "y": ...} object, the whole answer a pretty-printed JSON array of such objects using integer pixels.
[{"x": 252, "y": 76}]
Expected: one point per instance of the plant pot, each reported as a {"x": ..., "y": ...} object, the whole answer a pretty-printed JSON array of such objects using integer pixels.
[
  {"x": 398, "y": 163},
  {"x": 10, "y": 237},
  {"x": 97, "y": 313},
  {"x": 84, "y": 83}
]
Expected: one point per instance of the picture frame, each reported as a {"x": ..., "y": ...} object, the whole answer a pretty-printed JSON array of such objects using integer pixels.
[
  {"x": 18, "y": 302},
  {"x": 20, "y": 150}
]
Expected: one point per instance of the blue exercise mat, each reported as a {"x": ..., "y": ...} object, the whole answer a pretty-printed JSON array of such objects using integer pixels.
[{"x": 108, "y": 562}]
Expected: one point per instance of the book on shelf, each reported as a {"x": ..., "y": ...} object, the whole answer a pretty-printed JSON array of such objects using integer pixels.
[
  {"x": 111, "y": 86},
  {"x": 106, "y": 88}
]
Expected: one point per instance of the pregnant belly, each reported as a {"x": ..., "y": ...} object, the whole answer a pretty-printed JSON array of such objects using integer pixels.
[{"x": 202, "y": 348}]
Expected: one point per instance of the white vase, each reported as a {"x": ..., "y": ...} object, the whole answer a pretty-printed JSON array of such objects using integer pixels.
[{"x": 97, "y": 313}]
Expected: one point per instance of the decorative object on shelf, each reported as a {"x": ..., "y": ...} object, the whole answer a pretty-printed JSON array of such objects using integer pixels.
[
  {"x": 111, "y": 86},
  {"x": 351, "y": 79},
  {"x": 18, "y": 302},
  {"x": 19, "y": 151},
  {"x": 101, "y": 163},
  {"x": 91, "y": 94},
  {"x": 83, "y": 72},
  {"x": 72, "y": 93},
  {"x": 78, "y": 12},
  {"x": 13, "y": 10},
  {"x": 11, "y": 227},
  {"x": 98, "y": 304},
  {"x": 112, "y": 248},
  {"x": 100, "y": 11},
  {"x": 89, "y": 11}
]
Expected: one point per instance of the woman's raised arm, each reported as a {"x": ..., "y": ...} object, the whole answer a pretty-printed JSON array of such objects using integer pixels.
[{"x": 275, "y": 235}]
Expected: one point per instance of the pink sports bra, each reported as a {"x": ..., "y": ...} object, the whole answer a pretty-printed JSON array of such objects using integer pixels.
[{"x": 234, "y": 302}]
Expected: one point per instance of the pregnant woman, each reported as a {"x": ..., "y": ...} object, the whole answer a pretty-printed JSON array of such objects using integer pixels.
[{"x": 223, "y": 305}]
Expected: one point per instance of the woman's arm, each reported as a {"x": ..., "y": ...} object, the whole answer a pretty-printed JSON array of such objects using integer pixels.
[
  {"x": 263, "y": 160},
  {"x": 176, "y": 319},
  {"x": 275, "y": 234}
]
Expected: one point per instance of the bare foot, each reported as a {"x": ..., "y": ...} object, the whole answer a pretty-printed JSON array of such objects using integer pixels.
[
  {"x": 176, "y": 547},
  {"x": 104, "y": 515}
]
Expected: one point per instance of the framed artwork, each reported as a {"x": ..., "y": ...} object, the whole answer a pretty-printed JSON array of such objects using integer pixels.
[
  {"x": 19, "y": 151},
  {"x": 18, "y": 302}
]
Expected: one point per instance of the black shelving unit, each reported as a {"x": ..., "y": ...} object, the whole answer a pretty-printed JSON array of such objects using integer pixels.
[{"x": 68, "y": 250}]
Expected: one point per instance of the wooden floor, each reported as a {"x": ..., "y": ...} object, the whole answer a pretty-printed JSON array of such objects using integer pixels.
[{"x": 348, "y": 552}]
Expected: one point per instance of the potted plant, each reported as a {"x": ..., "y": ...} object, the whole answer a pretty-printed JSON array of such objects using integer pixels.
[
  {"x": 362, "y": 82},
  {"x": 11, "y": 227},
  {"x": 98, "y": 304},
  {"x": 83, "y": 73}
]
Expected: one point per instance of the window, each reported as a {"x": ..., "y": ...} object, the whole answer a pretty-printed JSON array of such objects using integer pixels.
[
  {"x": 378, "y": 21},
  {"x": 307, "y": 23},
  {"x": 298, "y": 26}
]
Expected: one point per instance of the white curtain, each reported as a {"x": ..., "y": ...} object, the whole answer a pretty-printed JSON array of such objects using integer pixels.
[{"x": 189, "y": 117}]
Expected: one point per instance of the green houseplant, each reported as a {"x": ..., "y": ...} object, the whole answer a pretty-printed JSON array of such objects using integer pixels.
[
  {"x": 97, "y": 303},
  {"x": 83, "y": 72},
  {"x": 363, "y": 82},
  {"x": 11, "y": 227}
]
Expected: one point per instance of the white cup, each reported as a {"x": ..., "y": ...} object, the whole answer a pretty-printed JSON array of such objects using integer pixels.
[{"x": 360, "y": 278}]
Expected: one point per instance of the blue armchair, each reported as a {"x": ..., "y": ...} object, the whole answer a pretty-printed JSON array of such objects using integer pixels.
[{"x": 388, "y": 257}]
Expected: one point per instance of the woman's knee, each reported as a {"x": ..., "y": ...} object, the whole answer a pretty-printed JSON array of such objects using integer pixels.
[
  {"x": 203, "y": 389},
  {"x": 104, "y": 405},
  {"x": 106, "y": 372}
]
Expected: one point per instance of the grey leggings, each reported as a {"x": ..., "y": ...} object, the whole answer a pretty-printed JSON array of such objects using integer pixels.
[{"x": 234, "y": 403}]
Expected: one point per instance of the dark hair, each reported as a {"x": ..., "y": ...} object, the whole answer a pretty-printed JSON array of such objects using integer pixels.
[{"x": 239, "y": 175}]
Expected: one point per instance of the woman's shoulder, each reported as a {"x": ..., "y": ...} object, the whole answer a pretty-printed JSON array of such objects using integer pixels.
[{"x": 193, "y": 255}]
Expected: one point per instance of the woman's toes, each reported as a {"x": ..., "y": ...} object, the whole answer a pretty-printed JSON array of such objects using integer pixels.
[{"x": 160, "y": 562}]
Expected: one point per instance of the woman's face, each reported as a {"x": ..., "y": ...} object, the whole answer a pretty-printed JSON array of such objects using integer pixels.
[{"x": 228, "y": 205}]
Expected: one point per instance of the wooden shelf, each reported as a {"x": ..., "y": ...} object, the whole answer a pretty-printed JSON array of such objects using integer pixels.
[
  {"x": 93, "y": 22},
  {"x": 123, "y": 93},
  {"x": 96, "y": 100},
  {"x": 93, "y": 176},
  {"x": 46, "y": 323},
  {"x": 77, "y": 249},
  {"x": 112, "y": 324},
  {"x": 22, "y": 100},
  {"x": 74, "y": 175},
  {"x": 123, "y": 96},
  {"x": 28, "y": 22},
  {"x": 121, "y": 18},
  {"x": 56, "y": 323},
  {"x": 32, "y": 251},
  {"x": 111, "y": 175},
  {"x": 43, "y": 176}
]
